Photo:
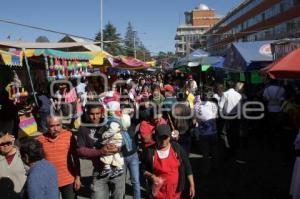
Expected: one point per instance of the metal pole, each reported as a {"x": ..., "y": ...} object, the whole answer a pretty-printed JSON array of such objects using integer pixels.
[
  {"x": 30, "y": 79},
  {"x": 101, "y": 21},
  {"x": 134, "y": 46}
]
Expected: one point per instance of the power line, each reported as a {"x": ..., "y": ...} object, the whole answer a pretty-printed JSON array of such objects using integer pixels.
[{"x": 49, "y": 30}]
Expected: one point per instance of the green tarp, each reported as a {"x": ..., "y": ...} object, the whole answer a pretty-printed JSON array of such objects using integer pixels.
[
  {"x": 64, "y": 55},
  {"x": 205, "y": 67},
  {"x": 256, "y": 78},
  {"x": 242, "y": 77}
]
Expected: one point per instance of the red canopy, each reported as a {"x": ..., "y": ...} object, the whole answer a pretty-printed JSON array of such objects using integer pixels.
[{"x": 286, "y": 67}]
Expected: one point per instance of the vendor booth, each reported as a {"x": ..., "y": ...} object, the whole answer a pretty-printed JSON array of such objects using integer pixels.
[{"x": 244, "y": 60}]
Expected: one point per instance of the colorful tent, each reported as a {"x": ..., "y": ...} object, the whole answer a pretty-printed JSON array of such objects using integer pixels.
[
  {"x": 288, "y": 67},
  {"x": 59, "y": 54},
  {"x": 128, "y": 63},
  {"x": 11, "y": 58}
]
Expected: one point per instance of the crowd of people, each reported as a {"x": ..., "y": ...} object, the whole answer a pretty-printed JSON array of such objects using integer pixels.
[{"x": 146, "y": 126}]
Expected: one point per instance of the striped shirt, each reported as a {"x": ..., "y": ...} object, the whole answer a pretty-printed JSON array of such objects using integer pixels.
[{"x": 59, "y": 151}]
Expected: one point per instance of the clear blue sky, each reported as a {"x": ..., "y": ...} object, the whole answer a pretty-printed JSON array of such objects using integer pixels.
[{"x": 155, "y": 20}]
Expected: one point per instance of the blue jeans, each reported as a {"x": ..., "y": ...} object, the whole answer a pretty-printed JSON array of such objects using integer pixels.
[
  {"x": 132, "y": 163},
  {"x": 101, "y": 189}
]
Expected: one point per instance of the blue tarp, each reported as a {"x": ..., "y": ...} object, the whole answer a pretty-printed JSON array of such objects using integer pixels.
[
  {"x": 197, "y": 53},
  {"x": 247, "y": 56},
  {"x": 219, "y": 64},
  {"x": 256, "y": 51}
]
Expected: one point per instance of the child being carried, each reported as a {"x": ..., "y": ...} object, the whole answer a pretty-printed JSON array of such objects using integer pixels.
[{"x": 112, "y": 163}]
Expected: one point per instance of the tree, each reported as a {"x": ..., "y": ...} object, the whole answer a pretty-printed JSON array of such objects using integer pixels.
[
  {"x": 143, "y": 53},
  {"x": 110, "y": 34},
  {"x": 133, "y": 44},
  {"x": 130, "y": 40},
  {"x": 42, "y": 39},
  {"x": 165, "y": 58}
]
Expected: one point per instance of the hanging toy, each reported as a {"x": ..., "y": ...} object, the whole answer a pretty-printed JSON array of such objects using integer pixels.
[
  {"x": 66, "y": 70},
  {"x": 80, "y": 68},
  {"x": 90, "y": 65},
  {"x": 56, "y": 65},
  {"x": 84, "y": 67},
  {"x": 60, "y": 69},
  {"x": 70, "y": 68},
  {"x": 17, "y": 84},
  {"x": 73, "y": 69},
  {"x": 51, "y": 67},
  {"x": 15, "y": 89},
  {"x": 47, "y": 67}
]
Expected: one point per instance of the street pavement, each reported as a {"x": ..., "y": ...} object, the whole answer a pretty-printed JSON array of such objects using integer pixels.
[{"x": 262, "y": 177}]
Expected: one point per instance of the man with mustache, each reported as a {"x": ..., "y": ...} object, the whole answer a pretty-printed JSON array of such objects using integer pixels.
[{"x": 60, "y": 149}]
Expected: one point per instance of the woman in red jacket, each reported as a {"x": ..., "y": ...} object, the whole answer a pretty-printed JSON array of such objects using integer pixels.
[{"x": 166, "y": 165}]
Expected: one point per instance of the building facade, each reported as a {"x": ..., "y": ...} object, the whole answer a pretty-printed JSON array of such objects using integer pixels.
[
  {"x": 189, "y": 35},
  {"x": 255, "y": 20}
]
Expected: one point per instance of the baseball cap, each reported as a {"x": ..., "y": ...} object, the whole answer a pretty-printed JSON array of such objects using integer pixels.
[
  {"x": 162, "y": 129},
  {"x": 168, "y": 88}
]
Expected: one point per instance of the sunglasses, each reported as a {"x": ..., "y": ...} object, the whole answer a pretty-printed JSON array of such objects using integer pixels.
[{"x": 6, "y": 144}]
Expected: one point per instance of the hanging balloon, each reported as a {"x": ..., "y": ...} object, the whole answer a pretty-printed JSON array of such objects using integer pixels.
[{"x": 51, "y": 64}]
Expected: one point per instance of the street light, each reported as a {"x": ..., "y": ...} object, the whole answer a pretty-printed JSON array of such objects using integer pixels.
[
  {"x": 101, "y": 21},
  {"x": 134, "y": 49}
]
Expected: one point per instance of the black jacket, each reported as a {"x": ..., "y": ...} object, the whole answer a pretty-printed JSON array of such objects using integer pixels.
[{"x": 185, "y": 168}]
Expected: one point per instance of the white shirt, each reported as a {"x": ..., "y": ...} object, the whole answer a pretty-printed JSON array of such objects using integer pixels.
[
  {"x": 163, "y": 154},
  {"x": 274, "y": 95},
  {"x": 217, "y": 97},
  {"x": 229, "y": 102},
  {"x": 207, "y": 111}
]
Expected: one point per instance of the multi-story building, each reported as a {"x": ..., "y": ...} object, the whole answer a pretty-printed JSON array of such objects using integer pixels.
[
  {"x": 189, "y": 35},
  {"x": 255, "y": 20}
]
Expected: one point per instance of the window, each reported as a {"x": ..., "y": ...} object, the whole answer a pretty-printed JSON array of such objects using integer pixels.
[
  {"x": 268, "y": 34},
  {"x": 291, "y": 26},
  {"x": 263, "y": 16}
]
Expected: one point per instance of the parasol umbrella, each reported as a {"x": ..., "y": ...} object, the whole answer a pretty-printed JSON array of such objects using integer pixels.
[
  {"x": 288, "y": 67},
  {"x": 194, "y": 56},
  {"x": 210, "y": 60}
]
